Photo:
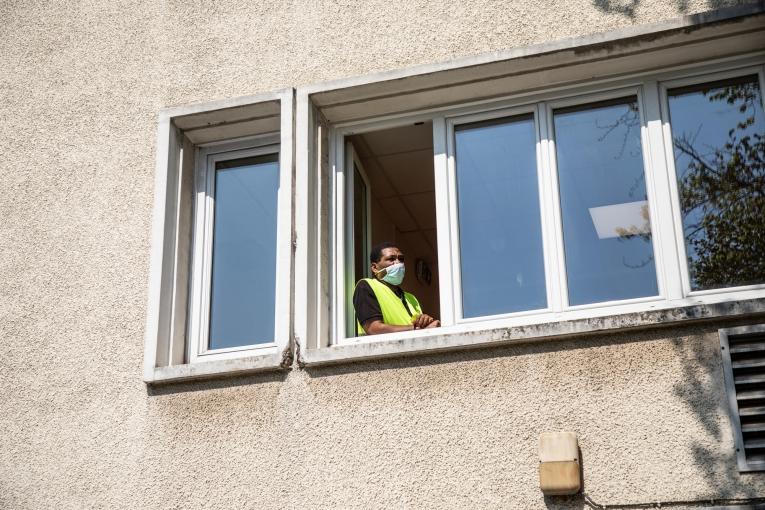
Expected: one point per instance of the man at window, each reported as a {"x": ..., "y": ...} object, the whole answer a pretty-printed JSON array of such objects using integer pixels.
[{"x": 381, "y": 304}]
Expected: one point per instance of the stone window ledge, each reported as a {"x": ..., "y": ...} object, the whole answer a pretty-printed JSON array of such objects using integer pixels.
[
  {"x": 222, "y": 368},
  {"x": 444, "y": 340}
]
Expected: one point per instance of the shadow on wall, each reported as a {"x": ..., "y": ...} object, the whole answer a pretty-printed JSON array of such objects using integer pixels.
[
  {"x": 628, "y": 7},
  {"x": 702, "y": 390},
  {"x": 699, "y": 387}
]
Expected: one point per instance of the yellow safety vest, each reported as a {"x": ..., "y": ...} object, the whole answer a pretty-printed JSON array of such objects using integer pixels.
[{"x": 393, "y": 309}]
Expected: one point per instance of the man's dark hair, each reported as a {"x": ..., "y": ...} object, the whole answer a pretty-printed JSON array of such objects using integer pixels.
[{"x": 376, "y": 254}]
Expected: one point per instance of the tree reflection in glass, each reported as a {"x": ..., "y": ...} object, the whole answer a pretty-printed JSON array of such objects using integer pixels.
[{"x": 717, "y": 134}]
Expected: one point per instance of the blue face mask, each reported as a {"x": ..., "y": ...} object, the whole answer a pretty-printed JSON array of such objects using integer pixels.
[{"x": 394, "y": 274}]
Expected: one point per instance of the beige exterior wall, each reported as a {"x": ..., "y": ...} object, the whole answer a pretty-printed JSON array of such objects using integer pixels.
[{"x": 80, "y": 88}]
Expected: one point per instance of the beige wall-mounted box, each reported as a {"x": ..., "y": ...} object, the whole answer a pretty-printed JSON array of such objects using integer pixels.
[{"x": 559, "y": 468}]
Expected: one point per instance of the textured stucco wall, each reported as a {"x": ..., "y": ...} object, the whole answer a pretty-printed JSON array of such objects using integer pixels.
[{"x": 80, "y": 87}]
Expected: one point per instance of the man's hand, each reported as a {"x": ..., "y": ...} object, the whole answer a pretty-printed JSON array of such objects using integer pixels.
[
  {"x": 425, "y": 321},
  {"x": 378, "y": 327}
]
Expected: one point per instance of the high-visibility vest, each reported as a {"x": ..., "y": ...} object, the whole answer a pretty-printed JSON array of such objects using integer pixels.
[{"x": 393, "y": 309}]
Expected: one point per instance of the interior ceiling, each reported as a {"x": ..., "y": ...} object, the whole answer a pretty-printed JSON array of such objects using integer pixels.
[{"x": 399, "y": 165}]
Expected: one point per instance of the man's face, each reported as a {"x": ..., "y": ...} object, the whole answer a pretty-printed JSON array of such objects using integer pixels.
[{"x": 389, "y": 257}]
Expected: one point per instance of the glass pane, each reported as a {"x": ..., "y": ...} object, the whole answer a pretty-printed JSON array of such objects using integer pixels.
[
  {"x": 360, "y": 255},
  {"x": 244, "y": 252},
  {"x": 606, "y": 227},
  {"x": 717, "y": 134},
  {"x": 501, "y": 254}
]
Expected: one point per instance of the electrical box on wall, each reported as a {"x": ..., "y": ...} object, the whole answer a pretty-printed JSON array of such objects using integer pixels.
[{"x": 559, "y": 468}]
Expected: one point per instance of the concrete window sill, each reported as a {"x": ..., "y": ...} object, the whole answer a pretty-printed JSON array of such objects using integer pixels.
[
  {"x": 221, "y": 368},
  {"x": 422, "y": 342}
]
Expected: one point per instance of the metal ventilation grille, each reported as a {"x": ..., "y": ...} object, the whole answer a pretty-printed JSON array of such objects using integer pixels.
[{"x": 743, "y": 352}]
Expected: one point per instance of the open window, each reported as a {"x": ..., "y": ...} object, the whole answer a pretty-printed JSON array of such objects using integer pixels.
[
  {"x": 550, "y": 193},
  {"x": 391, "y": 197}
]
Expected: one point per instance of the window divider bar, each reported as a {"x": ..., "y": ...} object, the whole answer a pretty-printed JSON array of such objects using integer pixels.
[
  {"x": 658, "y": 175},
  {"x": 555, "y": 263},
  {"x": 338, "y": 241},
  {"x": 444, "y": 211},
  {"x": 453, "y": 222},
  {"x": 677, "y": 219}
]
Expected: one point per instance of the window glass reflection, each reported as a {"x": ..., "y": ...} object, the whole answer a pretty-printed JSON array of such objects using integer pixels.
[
  {"x": 500, "y": 235},
  {"x": 717, "y": 136},
  {"x": 604, "y": 207},
  {"x": 244, "y": 252},
  {"x": 360, "y": 249}
]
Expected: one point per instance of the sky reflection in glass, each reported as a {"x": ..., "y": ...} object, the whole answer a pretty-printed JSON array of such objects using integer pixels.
[
  {"x": 606, "y": 228},
  {"x": 360, "y": 249},
  {"x": 244, "y": 252},
  {"x": 501, "y": 254}
]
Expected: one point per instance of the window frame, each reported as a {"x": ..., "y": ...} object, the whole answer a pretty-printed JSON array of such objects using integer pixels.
[
  {"x": 186, "y": 137},
  {"x": 648, "y": 170},
  {"x": 352, "y": 159},
  {"x": 647, "y": 88},
  {"x": 677, "y": 220},
  {"x": 454, "y": 262},
  {"x": 201, "y": 281}
]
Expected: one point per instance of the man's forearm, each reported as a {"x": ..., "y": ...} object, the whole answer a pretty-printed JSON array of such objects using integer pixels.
[{"x": 379, "y": 327}]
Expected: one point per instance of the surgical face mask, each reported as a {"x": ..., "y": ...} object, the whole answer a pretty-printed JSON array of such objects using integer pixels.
[{"x": 394, "y": 274}]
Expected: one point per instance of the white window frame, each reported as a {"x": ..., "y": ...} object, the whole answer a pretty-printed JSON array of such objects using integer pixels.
[
  {"x": 677, "y": 221},
  {"x": 454, "y": 262},
  {"x": 351, "y": 159},
  {"x": 199, "y": 317},
  {"x": 585, "y": 100},
  {"x": 190, "y": 139},
  {"x": 649, "y": 90}
]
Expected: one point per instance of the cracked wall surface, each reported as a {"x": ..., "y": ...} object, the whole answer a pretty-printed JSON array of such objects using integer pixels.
[{"x": 80, "y": 88}]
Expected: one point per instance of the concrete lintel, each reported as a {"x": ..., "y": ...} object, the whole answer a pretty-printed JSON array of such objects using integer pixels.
[
  {"x": 223, "y": 104},
  {"x": 570, "y": 329},
  {"x": 685, "y": 22},
  {"x": 216, "y": 369}
]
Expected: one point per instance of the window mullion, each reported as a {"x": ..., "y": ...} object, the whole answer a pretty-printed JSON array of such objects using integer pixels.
[
  {"x": 659, "y": 180},
  {"x": 555, "y": 265},
  {"x": 453, "y": 224},
  {"x": 338, "y": 240},
  {"x": 445, "y": 210},
  {"x": 348, "y": 227}
]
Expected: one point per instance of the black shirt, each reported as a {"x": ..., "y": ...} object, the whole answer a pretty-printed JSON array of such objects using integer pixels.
[{"x": 366, "y": 304}]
